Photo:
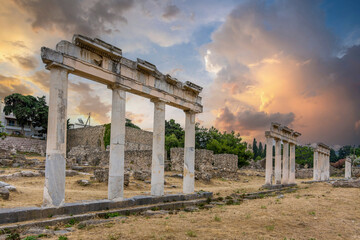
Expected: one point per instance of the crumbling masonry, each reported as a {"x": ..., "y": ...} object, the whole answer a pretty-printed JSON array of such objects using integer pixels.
[{"x": 101, "y": 62}]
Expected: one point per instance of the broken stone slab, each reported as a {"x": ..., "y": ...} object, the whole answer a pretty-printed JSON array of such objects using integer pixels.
[
  {"x": 176, "y": 176},
  {"x": 191, "y": 209},
  {"x": 4, "y": 193},
  {"x": 29, "y": 174},
  {"x": 9, "y": 187},
  {"x": 92, "y": 222},
  {"x": 347, "y": 184},
  {"x": 71, "y": 173},
  {"x": 152, "y": 213},
  {"x": 38, "y": 231},
  {"x": 142, "y": 175},
  {"x": 83, "y": 182}
]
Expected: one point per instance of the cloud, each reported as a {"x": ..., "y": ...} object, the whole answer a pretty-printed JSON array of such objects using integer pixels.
[
  {"x": 89, "y": 102},
  {"x": 277, "y": 60},
  {"x": 41, "y": 79},
  {"x": 171, "y": 12},
  {"x": 250, "y": 120},
  {"x": 26, "y": 62},
  {"x": 76, "y": 16},
  {"x": 136, "y": 118},
  {"x": 9, "y": 85}
]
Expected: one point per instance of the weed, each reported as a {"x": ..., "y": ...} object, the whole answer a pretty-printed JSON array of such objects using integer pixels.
[
  {"x": 297, "y": 196},
  {"x": 191, "y": 233},
  {"x": 208, "y": 200},
  {"x": 220, "y": 198},
  {"x": 63, "y": 238},
  {"x": 13, "y": 236},
  {"x": 109, "y": 225},
  {"x": 217, "y": 218},
  {"x": 230, "y": 202},
  {"x": 114, "y": 237},
  {"x": 312, "y": 213},
  {"x": 155, "y": 208},
  {"x": 270, "y": 227},
  {"x": 248, "y": 216},
  {"x": 30, "y": 238},
  {"x": 112, "y": 215},
  {"x": 263, "y": 207}
]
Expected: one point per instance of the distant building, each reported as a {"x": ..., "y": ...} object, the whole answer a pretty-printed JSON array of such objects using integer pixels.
[{"x": 12, "y": 127}]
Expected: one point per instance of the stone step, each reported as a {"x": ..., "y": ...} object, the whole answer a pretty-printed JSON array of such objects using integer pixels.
[{"x": 43, "y": 222}]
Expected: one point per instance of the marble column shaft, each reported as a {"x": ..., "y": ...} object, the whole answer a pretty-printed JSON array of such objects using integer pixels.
[
  {"x": 292, "y": 164},
  {"x": 322, "y": 166},
  {"x": 285, "y": 170},
  {"x": 348, "y": 168},
  {"x": 189, "y": 154},
  {"x": 158, "y": 149},
  {"x": 269, "y": 161},
  {"x": 54, "y": 189},
  {"x": 117, "y": 145},
  {"x": 315, "y": 166},
  {"x": 277, "y": 161}
]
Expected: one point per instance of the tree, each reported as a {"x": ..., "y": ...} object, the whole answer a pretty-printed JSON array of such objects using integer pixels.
[
  {"x": 260, "y": 150},
  {"x": 40, "y": 118},
  {"x": 255, "y": 148},
  {"x": 344, "y": 151},
  {"x": 2, "y": 134},
  {"x": 23, "y": 108},
  {"x": 304, "y": 155},
  {"x": 171, "y": 141},
  {"x": 333, "y": 156},
  {"x": 172, "y": 127},
  {"x": 128, "y": 123},
  {"x": 264, "y": 153}
]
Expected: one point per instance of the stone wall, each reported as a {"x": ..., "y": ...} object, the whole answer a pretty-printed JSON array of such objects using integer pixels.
[
  {"x": 215, "y": 165},
  {"x": 135, "y": 139},
  {"x": 23, "y": 145},
  {"x": 203, "y": 159},
  {"x": 227, "y": 162}
]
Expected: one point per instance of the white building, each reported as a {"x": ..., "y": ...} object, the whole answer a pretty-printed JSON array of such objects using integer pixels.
[{"x": 11, "y": 126}]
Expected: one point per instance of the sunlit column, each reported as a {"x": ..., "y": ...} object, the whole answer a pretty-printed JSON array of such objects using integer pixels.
[
  {"x": 54, "y": 189},
  {"x": 277, "y": 161},
  {"x": 269, "y": 160},
  {"x": 158, "y": 149},
  {"x": 189, "y": 154},
  {"x": 315, "y": 166},
  {"x": 292, "y": 164},
  {"x": 285, "y": 170},
  {"x": 347, "y": 168},
  {"x": 117, "y": 145}
]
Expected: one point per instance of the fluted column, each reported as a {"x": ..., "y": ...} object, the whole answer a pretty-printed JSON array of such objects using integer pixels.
[
  {"x": 322, "y": 166},
  {"x": 292, "y": 164},
  {"x": 269, "y": 160},
  {"x": 189, "y": 154},
  {"x": 285, "y": 170},
  {"x": 117, "y": 145},
  {"x": 277, "y": 161},
  {"x": 348, "y": 168},
  {"x": 158, "y": 149},
  {"x": 315, "y": 166},
  {"x": 54, "y": 188}
]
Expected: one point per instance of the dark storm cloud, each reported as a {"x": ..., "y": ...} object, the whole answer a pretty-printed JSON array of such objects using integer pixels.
[
  {"x": 76, "y": 16},
  {"x": 171, "y": 12},
  {"x": 26, "y": 62},
  {"x": 250, "y": 120}
]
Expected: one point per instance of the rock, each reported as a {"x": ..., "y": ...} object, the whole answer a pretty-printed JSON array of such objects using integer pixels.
[
  {"x": 11, "y": 188},
  {"x": 176, "y": 176},
  {"x": 3, "y": 184},
  {"x": 92, "y": 222},
  {"x": 29, "y": 174},
  {"x": 84, "y": 182},
  {"x": 2, "y": 171},
  {"x": 280, "y": 196},
  {"x": 4, "y": 193},
  {"x": 191, "y": 209},
  {"x": 61, "y": 232},
  {"x": 152, "y": 213},
  {"x": 71, "y": 173},
  {"x": 142, "y": 175},
  {"x": 38, "y": 231},
  {"x": 208, "y": 206},
  {"x": 347, "y": 184},
  {"x": 42, "y": 173},
  {"x": 204, "y": 176}
]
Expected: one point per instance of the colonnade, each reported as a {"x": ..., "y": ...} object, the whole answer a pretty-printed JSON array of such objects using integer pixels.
[
  {"x": 121, "y": 75},
  {"x": 284, "y": 172},
  {"x": 321, "y": 163}
]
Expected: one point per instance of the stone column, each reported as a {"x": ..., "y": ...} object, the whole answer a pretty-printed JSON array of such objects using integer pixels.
[
  {"x": 54, "y": 189},
  {"x": 322, "y": 166},
  {"x": 327, "y": 167},
  {"x": 189, "y": 155},
  {"x": 277, "y": 161},
  {"x": 117, "y": 145},
  {"x": 285, "y": 170},
  {"x": 292, "y": 164},
  {"x": 269, "y": 161},
  {"x": 315, "y": 165},
  {"x": 158, "y": 149},
  {"x": 347, "y": 168}
]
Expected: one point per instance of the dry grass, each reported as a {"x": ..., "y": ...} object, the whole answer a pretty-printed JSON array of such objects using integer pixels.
[{"x": 316, "y": 211}]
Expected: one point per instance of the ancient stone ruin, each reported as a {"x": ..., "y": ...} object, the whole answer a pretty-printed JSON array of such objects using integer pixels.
[
  {"x": 321, "y": 169},
  {"x": 285, "y": 164},
  {"x": 101, "y": 62}
]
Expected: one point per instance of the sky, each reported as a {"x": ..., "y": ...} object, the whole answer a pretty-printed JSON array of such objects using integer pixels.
[{"x": 260, "y": 61}]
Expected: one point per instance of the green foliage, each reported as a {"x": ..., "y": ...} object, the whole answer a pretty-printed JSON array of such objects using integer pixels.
[
  {"x": 112, "y": 215},
  {"x": 333, "y": 156},
  {"x": 171, "y": 141},
  {"x": 27, "y": 109},
  {"x": 258, "y": 158},
  {"x": 304, "y": 155},
  {"x": 2, "y": 134},
  {"x": 107, "y": 131},
  {"x": 13, "y": 236},
  {"x": 30, "y": 238},
  {"x": 63, "y": 238}
]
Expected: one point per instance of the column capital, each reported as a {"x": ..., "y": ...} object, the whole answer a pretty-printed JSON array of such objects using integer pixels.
[
  {"x": 154, "y": 100},
  {"x": 118, "y": 86},
  {"x": 190, "y": 111},
  {"x": 58, "y": 65}
]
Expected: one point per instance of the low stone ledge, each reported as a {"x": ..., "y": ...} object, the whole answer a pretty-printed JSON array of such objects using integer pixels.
[
  {"x": 13, "y": 215},
  {"x": 278, "y": 186}
]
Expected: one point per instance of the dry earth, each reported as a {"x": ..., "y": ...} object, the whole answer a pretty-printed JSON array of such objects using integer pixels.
[{"x": 316, "y": 211}]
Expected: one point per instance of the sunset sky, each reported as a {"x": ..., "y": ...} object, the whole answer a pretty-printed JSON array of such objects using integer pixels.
[{"x": 294, "y": 62}]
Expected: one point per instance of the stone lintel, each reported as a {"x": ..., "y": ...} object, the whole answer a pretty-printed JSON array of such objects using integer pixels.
[{"x": 58, "y": 65}]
